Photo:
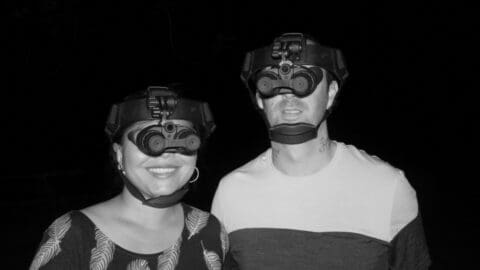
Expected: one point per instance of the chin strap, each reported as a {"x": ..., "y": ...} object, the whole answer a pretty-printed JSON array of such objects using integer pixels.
[
  {"x": 293, "y": 133},
  {"x": 296, "y": 133},
  {"x": 160, "y": 201}
]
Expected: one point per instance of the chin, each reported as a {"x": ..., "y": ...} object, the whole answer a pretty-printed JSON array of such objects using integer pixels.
[
  {"x": 162, "y": 191},
  {"x": 292, "y": 121}
]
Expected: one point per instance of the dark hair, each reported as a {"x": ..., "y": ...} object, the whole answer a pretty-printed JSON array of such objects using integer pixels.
[{"x": 329, "y": 77}]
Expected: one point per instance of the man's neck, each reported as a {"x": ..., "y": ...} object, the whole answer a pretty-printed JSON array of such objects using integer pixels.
[{"x": 305, "y": 158}]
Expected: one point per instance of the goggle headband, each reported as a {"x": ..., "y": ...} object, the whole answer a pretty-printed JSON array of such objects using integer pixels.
[
  {"x": 124, "y": 114},
  {"x": 312, "y": 54}
]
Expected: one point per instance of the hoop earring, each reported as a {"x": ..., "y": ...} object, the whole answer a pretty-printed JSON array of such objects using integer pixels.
[
  {"x": 196, "y": 176},
  {"x": 120, "y": 168}
]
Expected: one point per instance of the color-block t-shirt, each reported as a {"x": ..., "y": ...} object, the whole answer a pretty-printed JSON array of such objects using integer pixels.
[{"x": 356, "y": 213}]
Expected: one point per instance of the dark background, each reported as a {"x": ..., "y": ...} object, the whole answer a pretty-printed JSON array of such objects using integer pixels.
[{"x": 409, "y": 99}]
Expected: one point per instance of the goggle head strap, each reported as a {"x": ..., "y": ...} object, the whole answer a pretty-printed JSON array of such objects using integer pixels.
[
  {"x": 158, "y": 202},
  {"x": 159, "y": 103}
]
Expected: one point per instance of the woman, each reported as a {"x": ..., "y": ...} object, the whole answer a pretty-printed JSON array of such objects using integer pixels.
[{"x": 155, "y": 136}]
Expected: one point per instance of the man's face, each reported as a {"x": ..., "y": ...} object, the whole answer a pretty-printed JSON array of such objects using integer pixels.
[{"x": 290, "y": 109}]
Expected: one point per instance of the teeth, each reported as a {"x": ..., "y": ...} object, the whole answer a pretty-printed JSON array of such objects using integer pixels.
[
  {"x": 292, "y": 111},
  {"x": 161, "y": 170}
]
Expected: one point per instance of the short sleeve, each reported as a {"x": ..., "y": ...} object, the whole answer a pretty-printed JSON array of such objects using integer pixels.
[
  {"x": 59, "y": 247},
  {"x": 409, "y": 248},
  {"x": 409, "y": 245},
  {"x": 404, "y": 207},
  {"x": 224, "y": 241}
]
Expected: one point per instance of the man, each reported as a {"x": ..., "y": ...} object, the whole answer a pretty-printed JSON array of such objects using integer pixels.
[{"x": 310, "y": 202}]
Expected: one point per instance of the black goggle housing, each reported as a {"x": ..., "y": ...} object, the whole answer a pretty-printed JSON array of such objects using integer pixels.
[
  {"x": 288, "y": 78},
  {"x": 166, "y": 137},
  {"x": 292, "y": 64},
  {"x": 162, "y": 104}
]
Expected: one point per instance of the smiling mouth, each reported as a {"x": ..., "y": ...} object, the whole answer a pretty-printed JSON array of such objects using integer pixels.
[
  {"x": 162, "y": 172},
  {"x": 291, "y": 111},
  {"x": 291, "y": 114}
]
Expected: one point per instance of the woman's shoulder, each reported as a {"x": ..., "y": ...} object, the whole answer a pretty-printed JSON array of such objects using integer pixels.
[
  {"x": 203, "y": 227},
  {"x": 68, "y": 238},
  {"x": 197, "y": 220},
  {"x": 73, "y": 221},
  {"x": 193, "y": 211},
  {"x": 72, "y": 228}
]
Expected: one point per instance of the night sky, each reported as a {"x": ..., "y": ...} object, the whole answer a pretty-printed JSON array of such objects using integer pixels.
[{"x": 408, "y": 100}]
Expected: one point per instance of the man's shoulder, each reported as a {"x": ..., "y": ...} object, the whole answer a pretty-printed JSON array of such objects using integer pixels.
[{"x": 369, "y": 162}]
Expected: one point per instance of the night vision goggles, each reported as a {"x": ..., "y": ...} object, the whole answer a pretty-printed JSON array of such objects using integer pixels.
[
  {"x": 164, "y": 105},
  {"x": 288, "y": 79},
  {"x": 166, "y": 137},
  {"x": 292, "y": 64}
]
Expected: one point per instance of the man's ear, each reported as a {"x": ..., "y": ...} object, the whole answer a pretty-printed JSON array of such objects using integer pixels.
[
  {"x": 332, "y": 93},
  {"x": 259, "y": 100}
]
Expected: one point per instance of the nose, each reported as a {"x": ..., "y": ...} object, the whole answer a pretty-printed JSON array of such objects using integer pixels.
[
  {"x": 288, "y": 96},
  {"x": 166, "y": 155}
]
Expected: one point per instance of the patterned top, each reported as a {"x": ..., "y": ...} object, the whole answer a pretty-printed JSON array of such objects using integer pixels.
[{"x": 74, "y": 242}]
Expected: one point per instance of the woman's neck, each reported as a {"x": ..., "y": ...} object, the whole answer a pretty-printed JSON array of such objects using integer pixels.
[{"x": 133, "y": 209}]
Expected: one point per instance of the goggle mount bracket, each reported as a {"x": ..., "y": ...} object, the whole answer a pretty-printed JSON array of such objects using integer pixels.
[{"x": 161, "y": 102}]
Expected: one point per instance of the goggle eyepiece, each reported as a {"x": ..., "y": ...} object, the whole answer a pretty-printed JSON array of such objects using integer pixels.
[{"x": 301, "y": 81}]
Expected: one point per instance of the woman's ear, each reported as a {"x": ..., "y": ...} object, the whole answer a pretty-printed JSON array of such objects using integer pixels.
[{"x": 117, "y": 149}]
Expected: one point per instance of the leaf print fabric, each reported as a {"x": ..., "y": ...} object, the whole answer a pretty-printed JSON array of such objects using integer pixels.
[
  {"x": 74, "y": 242},
  {"x": 196, "y": 221},
  {"x": 212, "y": 260},
  {"x": 51, "y": 247},
  {"x": 138, "y": 265},
  {"x": 102, "y": 254},
  {"x": 224, "y": 241},
  {"x": 168, "y": 260}
]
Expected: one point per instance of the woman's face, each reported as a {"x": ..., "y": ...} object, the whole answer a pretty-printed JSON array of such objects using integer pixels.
[{"x": 154, "y": 176}]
